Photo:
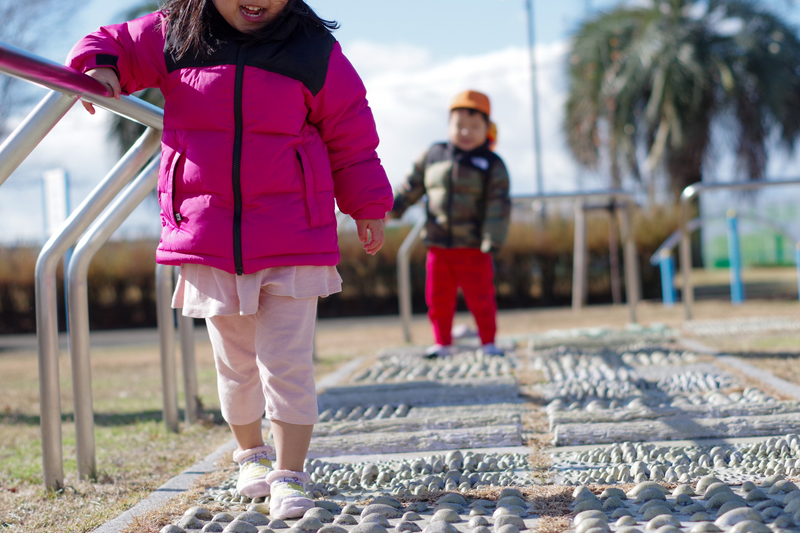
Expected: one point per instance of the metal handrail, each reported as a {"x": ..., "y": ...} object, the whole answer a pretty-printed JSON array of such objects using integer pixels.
[
  {"x": 78, "y": 307},
  {"x": 404, "y": 275},
  {"x": 687, "y": 195},
  {"x": 68, "y": 85}
]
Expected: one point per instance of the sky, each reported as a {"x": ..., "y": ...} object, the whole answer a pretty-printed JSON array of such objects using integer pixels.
[{"x": 413, "y": 57}]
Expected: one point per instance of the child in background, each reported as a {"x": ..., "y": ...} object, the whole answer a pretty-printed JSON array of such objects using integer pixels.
[
  {"x": 266, "y": 123},
  {"x": 468, "y": 210}
]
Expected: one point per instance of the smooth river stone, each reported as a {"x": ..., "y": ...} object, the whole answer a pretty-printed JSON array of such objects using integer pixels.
[
  {"x": 278, "y": 524},
  {"x": 592, "y": 523},
  {"x": 438, "y": 526},
  {"x": 731, "y": 518},
  {"x": 580, "y": 517},
  {"x": 369, "y": 527},
  {"x": 722, "y": 498},
  {"x": 330, "y": 528},
  {"x": 476, "y": 521},
  {"x": 704, "y": 527},
  {"x": 612, "y": 492},
  {"x": 663, "y": 520},
  {"x": 448, "y": 515},
  {"x": 506, "y": 528},
  {"x": 382, "y": 509},
  {"x": 656, "y": 510},
  {"x": 323, "y": 515},
  {"x": 509, "y": 519},
  {"x": 213, "y": 527},
  {"x": 345, "y": 520},
  {"x": 239, "y": 526},
  {"x": 588, "y": 505},
  {"x": 750, "y": 526},
  {"x": 376, "y": 518},
  {"x": 406, "y": 526}
]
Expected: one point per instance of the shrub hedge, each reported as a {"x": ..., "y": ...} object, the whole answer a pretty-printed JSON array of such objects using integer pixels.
[{"x": 534, "y": 268}]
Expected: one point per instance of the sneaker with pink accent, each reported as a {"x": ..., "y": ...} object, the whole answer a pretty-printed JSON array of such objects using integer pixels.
[
  {"x": 288, "y": 497},
  {"x": 254, "y": 465}
]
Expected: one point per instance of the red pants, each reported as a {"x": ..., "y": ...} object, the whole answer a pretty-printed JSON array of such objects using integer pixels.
[{"x": 472, "y": 270}]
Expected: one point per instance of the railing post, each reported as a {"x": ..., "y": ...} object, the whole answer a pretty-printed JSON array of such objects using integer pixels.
[
  {"x": 404, "y": 276},
  {"x": 613, "y": 254},
  {"x": 667, "y": 266},
  {"x": 797, "y": 264},
  {"x": 632, "y": 280},
  {"x": 77, "y": 295},
  {"x": 579, "y": 260},
  {"x": 687, "y": 290},
  {"x": 188, "y": 360},
  {"x": 166, "y": 330},
  {"x": 33, "y": 129},
  {"x": 734, "y": 258}
]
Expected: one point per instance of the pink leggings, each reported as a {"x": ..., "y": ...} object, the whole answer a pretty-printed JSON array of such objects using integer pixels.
[
  {"x": 264, "y": 361},
  {"x": 468, "y": 268}
]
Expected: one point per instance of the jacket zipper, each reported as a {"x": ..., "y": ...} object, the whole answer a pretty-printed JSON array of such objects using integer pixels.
[{"x": 237, "y": 161}]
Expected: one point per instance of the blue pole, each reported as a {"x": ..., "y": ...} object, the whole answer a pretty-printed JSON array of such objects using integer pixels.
[
  {"x": 797, "y": 262},
  {"x": 667, "y": 265},
  {"x": 737, "y": 290}
]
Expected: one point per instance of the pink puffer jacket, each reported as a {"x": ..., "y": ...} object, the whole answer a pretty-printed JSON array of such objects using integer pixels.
[{"x": 259, "y": 141}]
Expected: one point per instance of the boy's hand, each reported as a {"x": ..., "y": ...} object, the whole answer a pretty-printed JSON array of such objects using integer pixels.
[
  {"x": 108, "y": 77},
  {"x": 370, "y": 228}
]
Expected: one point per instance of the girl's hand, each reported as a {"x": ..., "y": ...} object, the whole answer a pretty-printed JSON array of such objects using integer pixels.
[
  {"x": 108, "y": 77},
  {"x": 373, "y": 228}
]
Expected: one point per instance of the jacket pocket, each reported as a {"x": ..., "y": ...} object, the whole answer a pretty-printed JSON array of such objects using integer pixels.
[
  {"x": 171, "y": 206},
  {"x": 309, "y": 188}
]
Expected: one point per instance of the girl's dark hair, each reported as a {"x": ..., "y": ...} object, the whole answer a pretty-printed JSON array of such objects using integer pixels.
[{"x": 194, "y": 25}]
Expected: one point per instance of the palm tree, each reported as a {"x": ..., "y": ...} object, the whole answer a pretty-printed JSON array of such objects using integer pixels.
[
  {"x": 125, "y": 131},
  {"x": 655, "y": 81}
]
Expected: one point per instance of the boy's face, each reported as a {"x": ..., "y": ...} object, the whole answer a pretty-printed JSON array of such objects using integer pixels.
[
  {"x": 249, "y": 15},
  {"x": 467, "y": 129}
]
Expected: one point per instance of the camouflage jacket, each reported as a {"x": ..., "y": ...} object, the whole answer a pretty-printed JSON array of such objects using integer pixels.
[{"x": 467, "y": 197}]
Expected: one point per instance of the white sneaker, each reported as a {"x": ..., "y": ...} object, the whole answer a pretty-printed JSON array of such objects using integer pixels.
[
  {"x": 288, "y": 497},
  {"x": 490, "y": 349},
  {"x": 438, "y": 350},
  {"x": 254, "y": 465}
]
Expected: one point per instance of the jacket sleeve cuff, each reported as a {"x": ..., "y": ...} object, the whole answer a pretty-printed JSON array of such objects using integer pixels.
[
  {"x": 101, "y": 60},
  {"x": 371, "y": 212}
]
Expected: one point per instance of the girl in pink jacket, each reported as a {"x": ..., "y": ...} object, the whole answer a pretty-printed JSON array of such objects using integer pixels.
[{"x": 266, "y": 125}]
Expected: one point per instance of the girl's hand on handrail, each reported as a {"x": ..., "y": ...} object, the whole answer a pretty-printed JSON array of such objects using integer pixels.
[
  {"x": 370, "y": 228},
  {"x": 108, "y": 77}
]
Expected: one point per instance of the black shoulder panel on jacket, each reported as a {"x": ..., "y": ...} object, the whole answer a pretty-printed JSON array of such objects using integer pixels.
[
  {"x": 438, "y": 152},
  {"x": 303, "y": 57}
]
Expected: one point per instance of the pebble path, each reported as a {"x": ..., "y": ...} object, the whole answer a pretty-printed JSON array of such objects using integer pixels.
[{"x": 406, "y": 444}]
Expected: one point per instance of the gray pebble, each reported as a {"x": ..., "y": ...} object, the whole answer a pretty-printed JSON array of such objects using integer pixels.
[
  {"x": 328, "y": 505},
  {"x": 438, "y": 526},
  {"x": 683, "y": 489},
  {"x": 506, "y": 528},
  {"x": 509, "y": 501},
  {"x": 629, "y": 529},
  {"x": 386, "y": 500},
  {"x": 747, "y": 486},
  {"x": 345, "y": 520},
  {"x": 704, "y": 527},
  {"x": 733, "y": 517},
  {"x": 730, "y": 506},
  {"x": 239, "y": 526},
  {"x": 323, "y": 515},
  {"x": 172, "y": 528},
  {"x": 613, "y": 493},
  {"x": 332, "y": 529},
  {"x": 376, "y": 519},
  {"x": 771, "y": 512},
  {"x": 222, "y": 517},
  {"x": 277, "y": 523},
  {"x": 404, "y": 525},
  {"x": 588, "y": 505},
  {"x": 612, "y": 503},
  {"x": 309, "y": 525},
  {"x": 700, "y": 517},
  {"x": 477, "y": 511},
  {"x": 509, "y": 519},
  {"x": 581, "y": 492},
  {"x": 783, "y": 521},
  {"x": 213, "y": 527},
  {"x": 190, "y": 522},
  {"x": 511, "y": 491},
  {"x": 201, "y": 513},
  {"x": 476, "y": 521},
  {"x": 580, "y": 517},
  {"x": 750, "y": 526},
  {"x": 683, "y": 499},
  {"x": 693, "y": 508},
  {"x": 417, "y": 507},
  {"x": 723, "y": 497},
  {"x": 662, "y": 520},
  {"x": 481, "y": 529},
  {"x": 626, "y": 521},
  {"x": 592, "y": 523},
  {"x": 383, "y": 509},
  {"x": 512, "y": 510},
  {"x": 619, "y": 513},
  {"x": 452, "y": 498},
  {"x": 351, "y": 509},
  {"x": 655, "y": 511},
  {"x": 486, "y": 504},
  {"x": 756, "y": 495},
  {"x": 668, "y": 529},
  {"x": 650, "y": 493},
  {"x": 704, "y": 482}
]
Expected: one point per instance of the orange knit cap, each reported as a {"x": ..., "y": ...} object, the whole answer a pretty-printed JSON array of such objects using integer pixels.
[{"x": 472, "y": 100}]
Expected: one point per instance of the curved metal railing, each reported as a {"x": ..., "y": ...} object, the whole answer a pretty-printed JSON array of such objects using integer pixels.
[
  {"x": 100, "y": 217},
  {"x": 688, "y": 194}
]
